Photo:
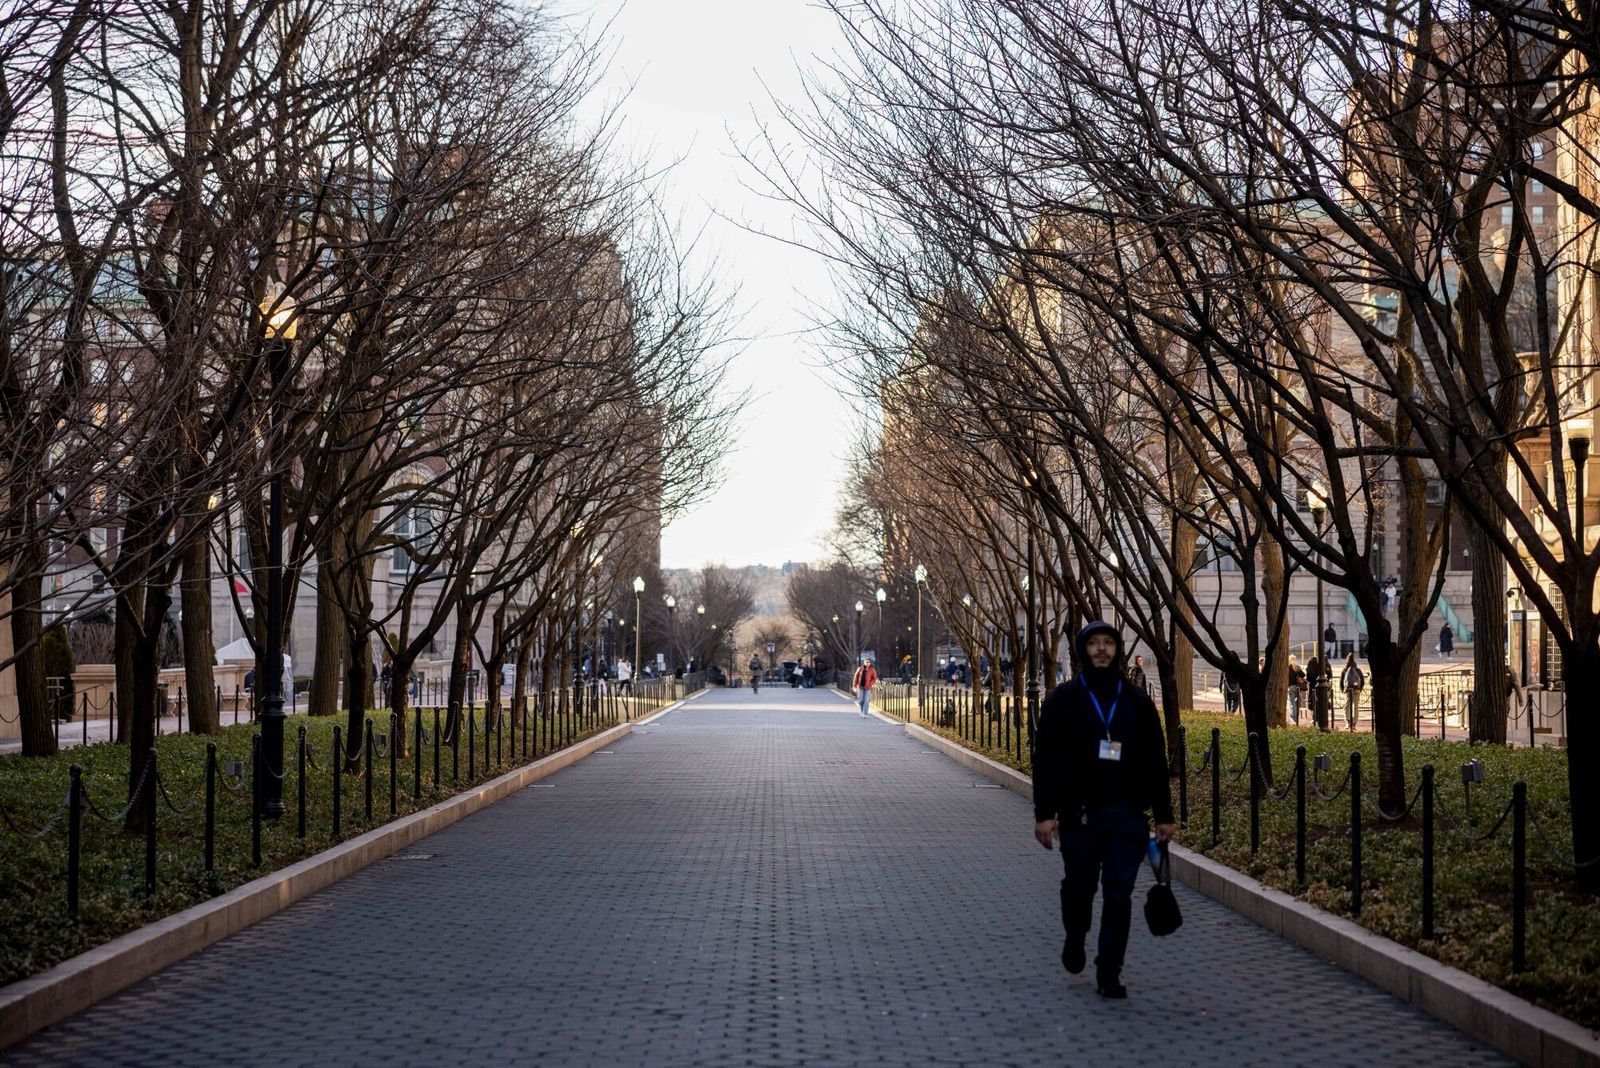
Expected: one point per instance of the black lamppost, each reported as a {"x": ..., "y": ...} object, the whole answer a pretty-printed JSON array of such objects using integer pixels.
[
  {"x": 278, "y": 321},
  {"x": 1317, "y": 501},
  {"x": 921, "y": 576},
  {"x": 672, "y": 625},
  {"x": 638, "y": 591},
  {"x": 1031, "y": 636},
  {"x": 835, "y": 636},
  {"x": 880, "y": 596},
  {"x": 700, "y": 660},
  {"x": 857, "y": 637}
]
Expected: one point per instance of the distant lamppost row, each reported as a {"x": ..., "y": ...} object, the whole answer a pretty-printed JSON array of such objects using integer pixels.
[
  {"x": 700, "y": 610},
  {"x": 638, "y": 591},
  {"x": 836, "y": 637},
  {"x": 857, "y": 642},
  {"x": 279, "y": 323}
]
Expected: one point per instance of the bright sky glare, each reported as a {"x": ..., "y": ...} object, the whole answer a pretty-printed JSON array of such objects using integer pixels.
[{"x": 702, "y": 73}]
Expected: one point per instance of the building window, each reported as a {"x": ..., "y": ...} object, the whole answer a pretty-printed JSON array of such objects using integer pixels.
[
  {"x": 1505, "y": 215},
  {"x": 1538, "y": 215},
  {"x": 1538, "y": 186},
  {"x": 413, "y": 527}
]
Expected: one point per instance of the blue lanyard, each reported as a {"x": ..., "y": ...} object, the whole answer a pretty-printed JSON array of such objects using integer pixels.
[{"x": 1104, "y": 718}]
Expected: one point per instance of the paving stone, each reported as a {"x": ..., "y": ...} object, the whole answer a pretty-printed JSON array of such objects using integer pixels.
[{"x": 758, "y": 880}]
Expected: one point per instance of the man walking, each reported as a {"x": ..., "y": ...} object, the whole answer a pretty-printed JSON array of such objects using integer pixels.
[
  {"x": 1137, "y": 676},
  {"x": 865, "y": 679},
  {"x": 1099, "y": 765}
]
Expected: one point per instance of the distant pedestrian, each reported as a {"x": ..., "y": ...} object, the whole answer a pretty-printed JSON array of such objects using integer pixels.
[
  {"x": 1351, "y": 682},
  {"x": 1330, "y": 644},
  {"x": 1317, "y": 691},
  {"x": 866, "y": 677},
  {"x": 1297, "y": 689},
  {"x": 1232, "y": 697},
  {"x": 1100, "y": 765},
  {"x": 624, "y": 675},
  {"x": 1136, "y": 674},
  {"x": 1447, "y": 640}
]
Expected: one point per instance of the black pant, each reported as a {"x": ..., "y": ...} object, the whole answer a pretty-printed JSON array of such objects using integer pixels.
[{"x": 1107, "y": 848}]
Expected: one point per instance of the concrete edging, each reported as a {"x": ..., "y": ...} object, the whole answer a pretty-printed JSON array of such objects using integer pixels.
[
  {"x": 32, "y": 1004},
  {"x": 1518, "y": 1028}
]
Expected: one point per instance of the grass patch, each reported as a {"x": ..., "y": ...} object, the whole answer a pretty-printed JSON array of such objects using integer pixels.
[
  {"x": 35, "y": 929},
  {"x": 1472, "y": 880}
]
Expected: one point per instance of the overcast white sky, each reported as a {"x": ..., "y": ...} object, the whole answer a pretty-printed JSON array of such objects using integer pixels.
[{"x": 697, "y": 69}]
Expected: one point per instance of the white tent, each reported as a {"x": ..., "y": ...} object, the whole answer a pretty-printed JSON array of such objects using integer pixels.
[{"x": 236, "y": 650}]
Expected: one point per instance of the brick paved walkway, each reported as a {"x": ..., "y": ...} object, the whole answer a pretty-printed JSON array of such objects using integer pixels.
[{"x": 754, "y": 881}]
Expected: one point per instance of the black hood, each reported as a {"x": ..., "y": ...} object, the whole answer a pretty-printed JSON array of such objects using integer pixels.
[{"x": 1080, "y": 644}]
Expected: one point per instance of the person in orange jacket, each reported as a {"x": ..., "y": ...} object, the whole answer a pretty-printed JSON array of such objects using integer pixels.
[{"x": 866, "y": 678}]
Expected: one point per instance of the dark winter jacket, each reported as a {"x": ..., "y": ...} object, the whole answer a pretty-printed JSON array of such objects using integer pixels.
[{"x": 1068, "y": 774}]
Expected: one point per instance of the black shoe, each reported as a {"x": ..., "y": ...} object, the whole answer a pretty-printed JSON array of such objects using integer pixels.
[
  {"x": 1073, "y": 957},
  {"x": 1109, "y": 985}
]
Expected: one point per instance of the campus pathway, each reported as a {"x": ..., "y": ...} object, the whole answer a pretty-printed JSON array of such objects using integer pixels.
[{"x": 761, "y": 880}]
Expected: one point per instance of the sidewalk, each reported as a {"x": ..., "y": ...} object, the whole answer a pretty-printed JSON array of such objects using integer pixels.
[{"x": 754, "y": 879}]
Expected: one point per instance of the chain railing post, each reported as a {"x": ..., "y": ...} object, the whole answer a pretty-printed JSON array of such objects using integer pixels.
[
  {"x": 366, "y": 752},
  {"x": 1255, "y": 793},
  {"x": 211, "y": 807},
  {"x": 1216, "y": 785},
  {"x": 338, "y": 791},
  {"x": 1427, "y": 851},
  {"x": 1183, "y": 775},
  {"x": 1355, "y": 834},
  {"x": 74, "y": 836},
  {"x": 255, "y": 800},
  {"x": 1519, "y": 876},
  {"x": 300, "y": 784},
  {"x": 153, "y": 772},
  {"x": 1300, "y": 815}
]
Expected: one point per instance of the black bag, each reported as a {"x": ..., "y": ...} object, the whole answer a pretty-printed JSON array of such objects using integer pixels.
[{"x": 1160, "y": 906}]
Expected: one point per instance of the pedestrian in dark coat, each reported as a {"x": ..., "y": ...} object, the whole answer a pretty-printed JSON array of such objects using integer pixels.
[{"x": 1099, "y": 772}]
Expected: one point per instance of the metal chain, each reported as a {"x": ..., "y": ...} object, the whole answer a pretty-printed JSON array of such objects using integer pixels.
[
  {"x": 50, "y": 824},
  {"x": 1415, "y": 797},
  {"x": 1557, "y": 851},
  {"x": 1491, "y": 832},
  {"x": 161, "y": 782},
  {"x": 138, "y": 793},
  {"x": 1316, "y": 787}
]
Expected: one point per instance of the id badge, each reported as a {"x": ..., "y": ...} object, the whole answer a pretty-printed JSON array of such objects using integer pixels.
[{"x": 1110, "y": 750}]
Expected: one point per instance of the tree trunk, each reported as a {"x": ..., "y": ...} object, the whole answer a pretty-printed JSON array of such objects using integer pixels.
[
  {"x": 198, "y": 654},
  {"x": 125, "y": 642},
  {"x": 145, "y": 665},
  {"x": 1489, "y": 669},
  {"x": 1387, "y": 689},
  {"x": 1580, "y": 666},
  {"x": 1274, "y": 589},
  {"x": 1256, "y": 694},
  {"x": 325, "y": 674},
  {"x": 399, "y": 696},
  {"x": 1171, "y": 711},
  {"x": 27, "y": 632},
  {"x": 358, "y": 683}
]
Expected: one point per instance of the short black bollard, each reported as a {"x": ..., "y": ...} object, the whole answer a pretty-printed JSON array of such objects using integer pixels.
[
  {"x": 1519, "y": 876},
  {"x": 1216, "y": 785},
  {"x": 455, "y": 750},
  {"x": 1255, "y": 794},
  {"x": 436, "y": 747},
  {"x": 513, "y": 729},
  {"x": 499, "y": 752},
  {"x": 1300, "y": 815},
  {"x": 74, "y": 837},
  {"x": 416, "y": 754},
  {"x": 1355, "y": 834},
  {"x": 255, "y": 800},
  {"x": 366, "y": 752},
  {"x": 472, "y": 743},
  {"x": 300, "y": 787},
  {"x": 151, "y": 785},
  {"x": 211, "y": 806},
  {"x": 338, "y": 791},
  {"x": 394, "y": 765},
  {"x": 1183, "y": 776},
  {"x": 1427, "y": 851}
]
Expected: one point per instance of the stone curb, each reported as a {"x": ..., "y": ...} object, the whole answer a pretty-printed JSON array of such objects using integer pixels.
[
  {"x": 32, "y": 1004},
  {"x": 1481, "y": 1010}
]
